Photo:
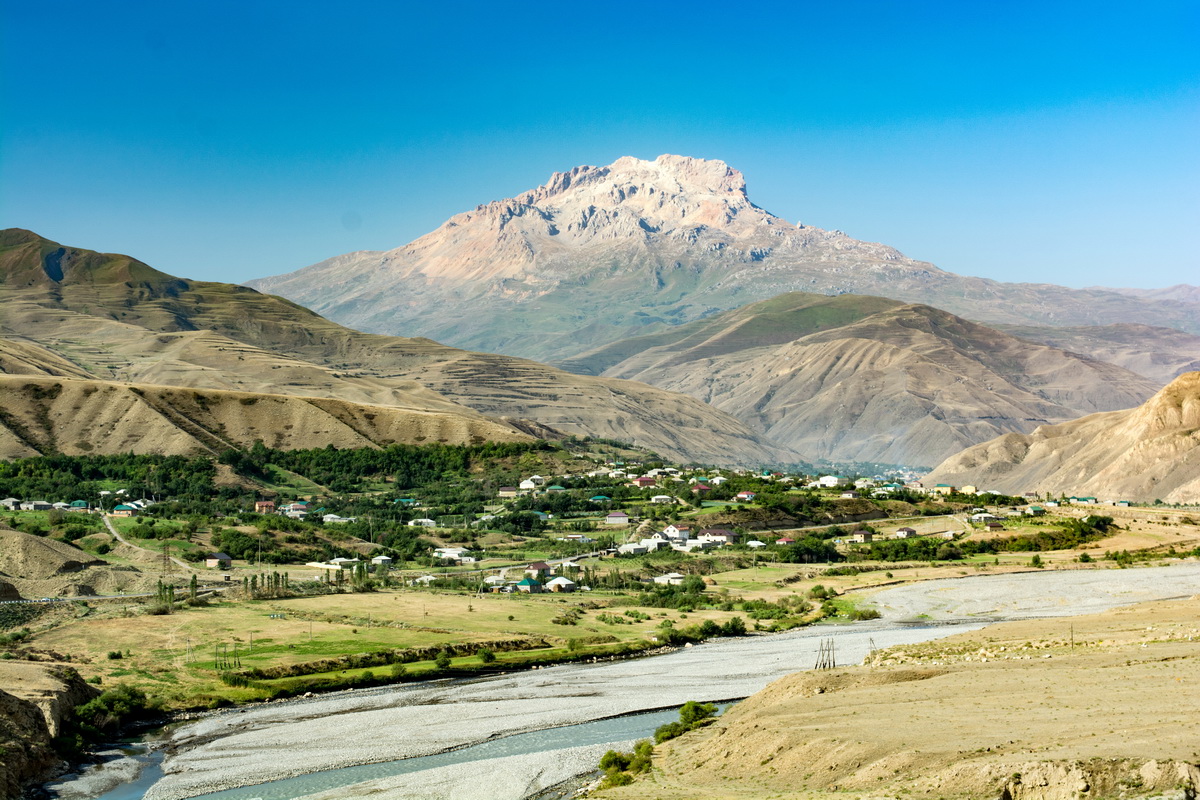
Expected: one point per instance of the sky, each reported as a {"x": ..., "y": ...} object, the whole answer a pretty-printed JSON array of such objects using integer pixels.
[{"x": 1050, "y": 142}]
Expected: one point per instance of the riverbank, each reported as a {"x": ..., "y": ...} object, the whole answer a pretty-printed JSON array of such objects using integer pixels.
[
  {"x": 1101, "y": 705},
  {"x": 282, "y": 740}
]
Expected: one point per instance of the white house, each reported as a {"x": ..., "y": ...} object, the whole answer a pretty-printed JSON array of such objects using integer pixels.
[
  {"x": 663, "y": 499},
  {"x": 635, "y": 549},
  {"x": 449, "y": 553},
  {"x": 616, "y": 518},
  {"x": 670, "y": 579},
  {"x": 382, "y": 561},
  {"x": 834, "y": 481},
  {"x": 331, "y": 519},
  {"x": 422, "y": 523},
  {"x": 755, "y": 543},
  {"x": 561, "y": 584},
  {"x": 678, "y": 532}
]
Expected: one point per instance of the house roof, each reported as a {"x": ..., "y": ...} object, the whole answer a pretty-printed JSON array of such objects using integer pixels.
[
  {"x": 528, "y": 582},
  {"x": 219, "y": 556}
]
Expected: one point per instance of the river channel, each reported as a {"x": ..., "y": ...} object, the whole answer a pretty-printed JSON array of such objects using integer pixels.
[{"x": 510, "y": 736}]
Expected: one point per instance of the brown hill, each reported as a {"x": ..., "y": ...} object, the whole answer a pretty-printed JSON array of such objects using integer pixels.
[
  {"x": 867, "y": 379},
  {"x": 114, "y": 318},
  {"x": 599, "y": 254},
  {"x": 44, "y": 415},
  {"x": 1143, "y": 454},
  {"x": 29, "y": 557},
  {"x": 1161, "y": 354}
]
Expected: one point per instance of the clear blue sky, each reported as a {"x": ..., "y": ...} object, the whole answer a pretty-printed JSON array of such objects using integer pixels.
[{"x": 230, "y": 140}]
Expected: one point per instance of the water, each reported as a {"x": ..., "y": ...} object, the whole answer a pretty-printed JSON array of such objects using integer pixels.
[{"x": 605, "y": 731}]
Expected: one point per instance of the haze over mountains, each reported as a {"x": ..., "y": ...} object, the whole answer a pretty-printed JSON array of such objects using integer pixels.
[
  {"x": 1142, "y": 454},
  {"x": 77, "y": 314},
  {"x": 869, "y": 379},
  {"x": 599, "y": 254}
]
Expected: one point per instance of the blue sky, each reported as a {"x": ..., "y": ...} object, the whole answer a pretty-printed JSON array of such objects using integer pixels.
[{"x": 219, "y": 140}]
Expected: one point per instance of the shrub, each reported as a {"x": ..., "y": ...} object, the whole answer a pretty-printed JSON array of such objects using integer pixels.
[
  {"x": 443, "y": 660},
  {"x": 113, "y": 655},
  {"x": 486, "y": 656}
]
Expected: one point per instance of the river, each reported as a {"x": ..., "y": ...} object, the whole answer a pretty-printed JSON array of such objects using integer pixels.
[{"x": 282, "y": 741}]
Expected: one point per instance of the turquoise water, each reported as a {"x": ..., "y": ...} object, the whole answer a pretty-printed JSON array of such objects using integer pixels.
[{"x": 605, "y": 731}]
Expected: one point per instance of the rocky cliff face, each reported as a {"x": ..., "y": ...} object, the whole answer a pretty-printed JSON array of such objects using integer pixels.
[
  {"x": 36, "y": 702},
  {"x": 598, "y": 254},
  {"x": 1142, "y": 454}
]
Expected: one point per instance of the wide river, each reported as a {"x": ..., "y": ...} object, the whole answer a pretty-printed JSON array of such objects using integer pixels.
[{"x": 320, "y": 737}]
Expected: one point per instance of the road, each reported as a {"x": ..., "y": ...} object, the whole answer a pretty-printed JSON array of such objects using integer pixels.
[{"x": 117, "y": 535}]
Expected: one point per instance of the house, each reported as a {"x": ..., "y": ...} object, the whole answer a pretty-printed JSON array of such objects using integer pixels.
[
  {"x": 507, "y": 491},
  {"x": 40, "y": 505},
  {"x": 644, "y": 481},
  {"x": 382, "y": 561},
  {"x": 424, "y": 580},
  {"x": 494, "y": 580},
  {"x": 422, "y": 523},
  {"x": 943, "y": 489},
  {"x": 656, "y": 542},
  {"x": 834, "y": 481},
  {"x": 11, "y": 503},
  {"x": 745, "y": 497},
  {"x": 218, "y": 561},
  {"x": 864, "y": 483},
  {"x": 785, "y": 541},
  {"x": 538, "y": 569},
  {"x": 906, "y": 533},
  {"x": 616, "y": 518},
  {"x": 555, "y": 489},
  {"x": 717, "y": 480},
  {"x": 62, "y": 506},
  {"x": 693, "y": 544},
  {"x": 527, "y": 485},
  {"x": 995, "y": 526},
  {"x": 861, "y": 537},
  {"x": 529, "y": 586},
  {"x": 718, "y": 535},
  {"x": 264, "y": 506},
  {"x": 344, "y": 563},
  {"x": 79, "y": 505},
  {"x": 663, "y": 499},
  {"x": 982, "y": 516},
  {"x": 635, "y": 549},
  {"x": 969, "y": 489},
  {"x": 449, "y": 553},
  {"x": 701, "y": 488},
  {"x": 849, "y": 495},
  {"x": 561, "y": 584},
  {"x": 683, "y": 532},
  {"x": 124, "y": 511},
  {"x": 755, "y": 544},
  {"x": 670, "y": 579},
  {"x": 333, "y": 519},
  {"x": 600, "y": 498}
]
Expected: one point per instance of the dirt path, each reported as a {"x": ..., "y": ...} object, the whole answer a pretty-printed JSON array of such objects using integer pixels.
[{"x": 153, "y": 555}]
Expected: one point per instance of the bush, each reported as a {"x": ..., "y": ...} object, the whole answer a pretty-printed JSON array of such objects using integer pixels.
[
  {"x": 113, "y": 655},
  {"x": 443, "y": 660},
  {"x": 691, "y": 716},
  {"x": 486, "y": 656}
]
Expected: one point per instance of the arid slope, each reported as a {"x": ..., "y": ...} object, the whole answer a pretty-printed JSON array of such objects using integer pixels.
[
  {"x": 1054, "y": 709},
  {"x": 114, "y": 318},
  {"x": 869, "y": 379},
  {"x": 1143, "y": 454}
]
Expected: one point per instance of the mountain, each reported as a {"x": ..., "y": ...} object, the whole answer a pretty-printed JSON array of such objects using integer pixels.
[
  {"x": 599, "y": 254},
  {"x": 1180, "y": 291},
  {"x": 855, "y": 378},
  {"x": 1147, "y": 453},
  {"x": 70, "y": 312},
  {"x": 1161, "y": 354}
]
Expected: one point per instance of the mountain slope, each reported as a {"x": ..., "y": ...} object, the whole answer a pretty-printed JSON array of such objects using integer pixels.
[
  {"x": 599, "y": 254},
  {"x": 76, "y": 417},
  {"x": 1145, "y": 453},
  {"x": 1161, "y": 354},
  {"x": 112, "y": 317},
  {"x": 904, "y": 384}
]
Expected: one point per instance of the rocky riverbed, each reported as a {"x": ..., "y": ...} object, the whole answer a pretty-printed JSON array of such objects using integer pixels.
[{"x": 279, "y": 740}]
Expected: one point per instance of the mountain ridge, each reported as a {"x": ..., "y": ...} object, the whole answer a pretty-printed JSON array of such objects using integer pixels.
[
  {"x": 115, "y": 318},
  {"x": 598, "y": 254}
]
